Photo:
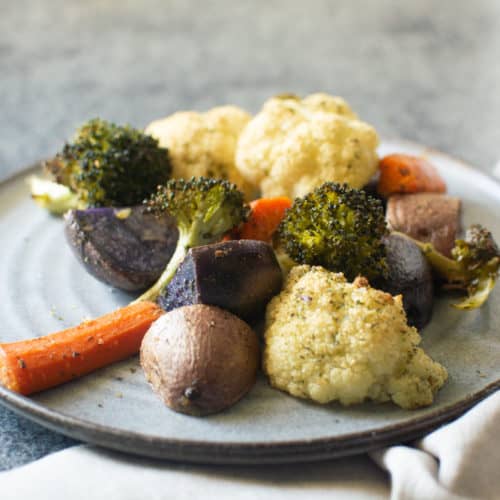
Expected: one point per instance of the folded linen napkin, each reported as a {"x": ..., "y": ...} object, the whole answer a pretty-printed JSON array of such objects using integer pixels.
[{"x": 460, "y": 460}]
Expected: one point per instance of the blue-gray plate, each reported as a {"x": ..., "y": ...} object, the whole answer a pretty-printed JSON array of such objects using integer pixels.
[{"x": 43, "y": 289}]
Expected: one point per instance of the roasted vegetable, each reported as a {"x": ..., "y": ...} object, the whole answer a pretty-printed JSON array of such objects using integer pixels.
[
  {"x": 371, "y": 190},
  {"x": 294, "y": 145},
  {"x": 339, "y": 228},
  {"x": 410, "y": 275},
  {"x": 330, "y": 340},
  {"x": 400, "y": 173},
  {"x": 264, "y": 218},
  {"x": 126, "y": 248},
  {"x": 200, "y": 359},
  {"x": 240, "y": 276},
  {"x": 204, "y": 210},
  {"x": 110, "y": 165},
  {"x": 427, "y": 217},
  {"x": 33, "y": 365},
  {"x": 204, "y": 144},
  {"x": 473, "y": 266},
  {"x": 53, "y": 197}
]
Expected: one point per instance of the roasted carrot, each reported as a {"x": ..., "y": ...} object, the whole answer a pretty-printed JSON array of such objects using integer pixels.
[
  {"x": 401, "y": 173},
  {"x": 33, "y": 365},
  {"x": 265, "y": 216}
]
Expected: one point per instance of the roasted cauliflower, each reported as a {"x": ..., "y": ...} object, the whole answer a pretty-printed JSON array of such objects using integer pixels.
[
  {"x": 294, "y": 145},
  {"x": 203, "y": 144},
  {"x": 327, "y": 339}
]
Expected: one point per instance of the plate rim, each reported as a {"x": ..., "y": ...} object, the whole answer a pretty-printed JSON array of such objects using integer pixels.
[
  {"x": 258, "y": 452},
  {"x": 204, "y": 452}
]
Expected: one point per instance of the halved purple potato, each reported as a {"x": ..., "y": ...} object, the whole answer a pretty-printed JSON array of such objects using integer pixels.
[
  {"x": 240, "y": 276},
  {"x": 126, "y": 248},
  {"x": 411, "y": 276}
]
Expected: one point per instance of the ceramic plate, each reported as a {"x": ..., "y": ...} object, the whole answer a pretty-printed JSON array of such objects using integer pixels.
[{"x": 44, "y": 289}]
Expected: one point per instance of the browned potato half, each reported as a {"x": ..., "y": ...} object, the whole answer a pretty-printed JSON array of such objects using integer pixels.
[
  {"x": 427, "y": 217},
  {"x": 200, "y": 359}
]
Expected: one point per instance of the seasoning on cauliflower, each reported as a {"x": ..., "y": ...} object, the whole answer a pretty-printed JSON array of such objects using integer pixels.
[
  {"x": 294, "y": 145},
  {"x": 327, "y": 339},
  {"x": 203, "y": 144}
]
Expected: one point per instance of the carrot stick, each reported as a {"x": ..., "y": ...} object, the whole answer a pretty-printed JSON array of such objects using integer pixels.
[
  {"x": 401, "y": 173},
  {"x": 33, "y": 365},
  {"x": 265, "y": 217}
]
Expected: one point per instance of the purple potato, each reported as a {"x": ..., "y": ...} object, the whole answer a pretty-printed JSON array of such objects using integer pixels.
[
  {"x": 411, "y": 276},
  {"x": 240, "y": 276},
  {"x": 125, "y": 248}
]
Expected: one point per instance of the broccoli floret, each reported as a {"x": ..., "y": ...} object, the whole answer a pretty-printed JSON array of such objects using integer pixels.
[
  {"x": 473, "y": 267},
  {"x": 204, "y": 210},
  {"x": 339, "y": 228},
  {"x": 110, "y": 165}
]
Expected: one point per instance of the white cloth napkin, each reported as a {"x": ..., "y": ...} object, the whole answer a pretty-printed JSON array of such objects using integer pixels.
[{"x": 460, "y": 460}]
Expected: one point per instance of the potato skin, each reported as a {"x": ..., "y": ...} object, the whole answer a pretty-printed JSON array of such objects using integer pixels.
[
  {"x": 200, "y": 359},
  {"x": 240, "y": 276},
  {"x": 427, "y": 217},
  {"x": 125, "y": 251},
  {"x": 410, "y": 275}
]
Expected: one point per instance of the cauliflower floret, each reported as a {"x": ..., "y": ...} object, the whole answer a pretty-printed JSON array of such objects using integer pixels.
[
  {"x": 327, "y": 339},
  {"x": 203, "y": 144},
  {"x": 293, "y": 146}
]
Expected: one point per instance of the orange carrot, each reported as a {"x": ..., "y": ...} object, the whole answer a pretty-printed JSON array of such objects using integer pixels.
[
  {"x": 401, "y": 173},
  {"x": 264, "y": 219},
  {"x": 33, "y": 365}
]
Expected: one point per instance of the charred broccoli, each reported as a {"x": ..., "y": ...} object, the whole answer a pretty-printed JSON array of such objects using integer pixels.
[
  {"x": 339, "y": 228},
  {"x": 204, "y": 210},
  {"x": 110, "y": 165},
  {"x": 473, "y": 267}
]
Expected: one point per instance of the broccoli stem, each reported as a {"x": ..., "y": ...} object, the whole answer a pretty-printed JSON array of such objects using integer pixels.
[
  {"x": 204, "y": 209},
  {"x": 478, "y": 279},
  {"x": 54, "y": 197},
  {"x": 183, "y": 245},
  {"x": 446, "y": 268}
]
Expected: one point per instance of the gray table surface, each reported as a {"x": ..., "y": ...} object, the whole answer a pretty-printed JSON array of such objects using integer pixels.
[{"x": 426, "y": 71}]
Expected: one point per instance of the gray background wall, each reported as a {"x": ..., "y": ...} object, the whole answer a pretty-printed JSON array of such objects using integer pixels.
[{"x": 425, "y": 70}]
